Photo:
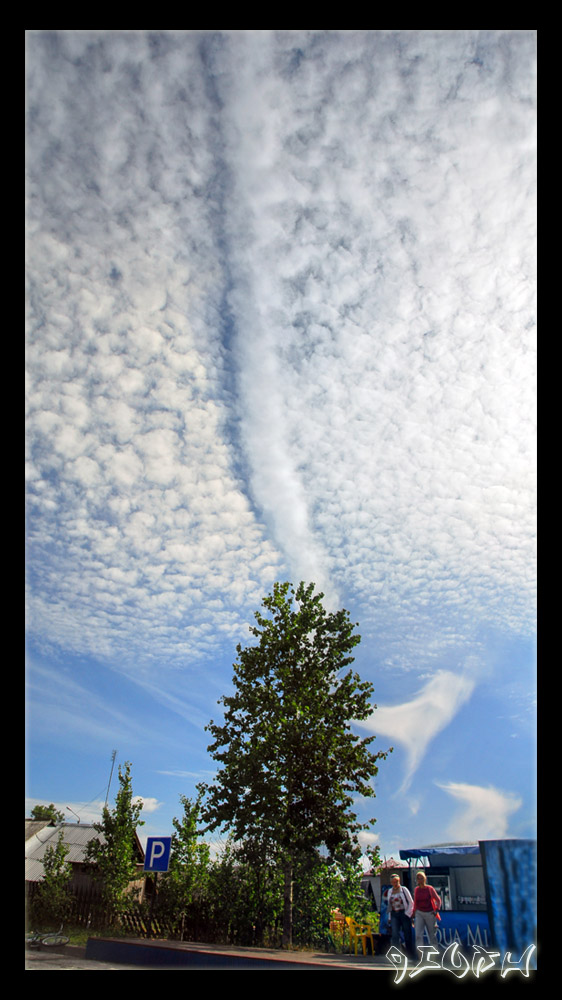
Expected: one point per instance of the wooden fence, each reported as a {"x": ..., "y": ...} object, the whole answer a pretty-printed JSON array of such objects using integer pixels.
[{"x": 88, "y": 910}]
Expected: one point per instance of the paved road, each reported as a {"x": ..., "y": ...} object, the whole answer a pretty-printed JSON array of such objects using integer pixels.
[
  {"x": 73, "y": 959},
  {"x": 69, "y": 960}
]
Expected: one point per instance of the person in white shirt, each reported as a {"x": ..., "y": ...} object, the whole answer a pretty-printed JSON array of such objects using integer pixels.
[{"x": 400, "y": 906}]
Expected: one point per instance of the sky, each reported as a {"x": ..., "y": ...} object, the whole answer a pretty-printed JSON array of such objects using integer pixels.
[{"x": 281, "y": 321}]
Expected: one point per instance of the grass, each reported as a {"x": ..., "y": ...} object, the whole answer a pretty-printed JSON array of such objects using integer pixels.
[{"x": 79, "y": 935}]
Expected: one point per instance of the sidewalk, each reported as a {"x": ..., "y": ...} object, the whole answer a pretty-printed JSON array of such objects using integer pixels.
[{"x": 194, "y": 955}]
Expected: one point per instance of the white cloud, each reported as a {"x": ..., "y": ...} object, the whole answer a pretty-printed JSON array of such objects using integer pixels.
[
  {"x": 378, "y": 412},
  {"x": 91, "y": 812},
  {"x": 86, "y": 812},
  {"x": 415, "y": 723},
  {"x": 485, "y": 814},
  {"x": 281, "y": 300},
  {"x": 149, "y": 804}
]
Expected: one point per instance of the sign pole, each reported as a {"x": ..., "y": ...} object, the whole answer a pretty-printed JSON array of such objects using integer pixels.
[
  {"x": 157, "y": 859},
  {"x": 149, "y": 933}
]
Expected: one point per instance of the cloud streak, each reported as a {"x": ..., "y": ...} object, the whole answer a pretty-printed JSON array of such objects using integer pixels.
[
  {"x": 485, "y": 814},
  {"x": 415, "y": 724}
]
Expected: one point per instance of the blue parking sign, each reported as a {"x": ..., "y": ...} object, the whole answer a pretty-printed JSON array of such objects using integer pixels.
[{"x": 157, "y": 857}]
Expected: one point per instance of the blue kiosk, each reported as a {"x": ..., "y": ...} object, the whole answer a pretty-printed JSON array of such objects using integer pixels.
[{"x": 487, "y": 890}]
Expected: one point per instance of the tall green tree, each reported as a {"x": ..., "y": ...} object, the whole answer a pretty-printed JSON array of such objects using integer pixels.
[
  {"x": 290, "y": 764},
  {"x": 115, "y": 856}
]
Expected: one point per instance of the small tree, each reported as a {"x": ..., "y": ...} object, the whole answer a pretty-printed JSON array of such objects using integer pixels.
[
  {"x": 181, "y": 891},
  {"x": 115, "y": 856},
  {"x": 290, "y": 761},
  {"x": 53, "y": 900}
]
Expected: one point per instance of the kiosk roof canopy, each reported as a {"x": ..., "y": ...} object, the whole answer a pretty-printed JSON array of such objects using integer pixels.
[{"x": 426, "y": 852}]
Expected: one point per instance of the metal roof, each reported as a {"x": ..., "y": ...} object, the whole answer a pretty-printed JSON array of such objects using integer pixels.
[
  {"x": 33, "y": 870},
  {"x": 74, "y": 835},
  {"x": 33, "y": 826}
]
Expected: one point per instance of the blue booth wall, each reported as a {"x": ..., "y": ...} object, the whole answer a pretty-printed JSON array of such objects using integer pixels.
[
  {"x": 510, "y": 875},
  {"x": 467, "y": 929}
]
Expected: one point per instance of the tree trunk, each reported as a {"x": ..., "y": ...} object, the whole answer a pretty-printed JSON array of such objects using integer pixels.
[{"x": 288, "y": 906}]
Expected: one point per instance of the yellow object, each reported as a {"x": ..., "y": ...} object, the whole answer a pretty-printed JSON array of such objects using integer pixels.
[
  {"x": 361, "y": 932},
  {"x": 337, "y": 924}
]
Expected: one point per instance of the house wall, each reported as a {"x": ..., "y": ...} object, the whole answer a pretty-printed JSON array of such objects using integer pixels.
[{"x": 82, "y": 880}]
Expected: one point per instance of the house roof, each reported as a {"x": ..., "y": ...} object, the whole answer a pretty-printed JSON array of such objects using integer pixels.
[
  {"x": 33, "y": 826},
  {"x": 75, "y": 836},
  {"x": 385, "y": 867}
]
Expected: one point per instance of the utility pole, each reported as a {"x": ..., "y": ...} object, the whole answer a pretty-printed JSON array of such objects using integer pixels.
[{"x": 113, "y": 756}]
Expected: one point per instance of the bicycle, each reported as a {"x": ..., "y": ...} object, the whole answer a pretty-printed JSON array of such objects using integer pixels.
[
  {"x": 50, "y": 939},
  {"x": 32, "y": 940}
]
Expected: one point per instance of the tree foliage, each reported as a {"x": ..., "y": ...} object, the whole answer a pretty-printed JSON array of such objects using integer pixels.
[
  {"x": 322, "y": 885},
  {"x": 290, "y": 764},
  {"x": 182, "y": 891},
  {"x": 53, "y": 900},
  {"x": 245, "y": 897},
  {"x": 244, "y": 901},
  {"x": 114, "y": 856},
  {"x": 49, "y": 812}
]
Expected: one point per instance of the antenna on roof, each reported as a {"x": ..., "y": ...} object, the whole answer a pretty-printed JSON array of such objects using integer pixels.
[{"x": 113, "y": 756}]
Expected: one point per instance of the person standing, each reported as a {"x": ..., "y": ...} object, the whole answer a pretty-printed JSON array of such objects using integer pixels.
[
  {"x": 427, "y": 903},
  {"x": 400, "y": 906}
]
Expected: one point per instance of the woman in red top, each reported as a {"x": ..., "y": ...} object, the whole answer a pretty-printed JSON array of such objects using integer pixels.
[{"x": 426, "y": 903}]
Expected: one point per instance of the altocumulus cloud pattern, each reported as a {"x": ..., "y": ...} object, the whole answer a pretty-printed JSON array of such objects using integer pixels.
[{"x": 281, "y": 325}]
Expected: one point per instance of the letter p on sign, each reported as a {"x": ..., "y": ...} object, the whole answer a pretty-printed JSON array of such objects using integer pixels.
[{"x": 157, "y": 858}]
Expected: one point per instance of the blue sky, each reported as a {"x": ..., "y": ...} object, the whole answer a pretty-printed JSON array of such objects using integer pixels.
[{"x": 281, "y": 325}]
